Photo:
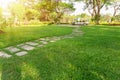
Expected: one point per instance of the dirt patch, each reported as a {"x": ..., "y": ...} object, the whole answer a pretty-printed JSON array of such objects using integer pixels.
[{"x": 1, "y": 32}]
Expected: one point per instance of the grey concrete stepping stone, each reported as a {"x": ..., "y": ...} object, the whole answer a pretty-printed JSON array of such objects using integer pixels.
[
  {"x": 52, "y": 41},
  {"x": 32, "y": 43},
  {"x": 65, "y": 37},
  {"x": 12, "y": 49},
  {"x": 20, "y": 45},
  {"x": 42, "y": 39},
  {"x": 41, "y": 45},
  {"x": 55, "y": 38},
  {"x": 69, "y": 37},
  {"x": 27, "y": 47},
  {"x": 47, "y": 39},
  {"x": 44, "y": 42},
  {"x": 5, "y": 55},
  {"x": 21, "y": 53},
  {"x": 37, "y": 40}
]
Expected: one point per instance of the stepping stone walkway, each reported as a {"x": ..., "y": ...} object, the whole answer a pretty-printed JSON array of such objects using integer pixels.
[
  {"x": 22, "y": 49},
  {"x": 21, "y": 53},
  {"x": 27, "y": 47},
  {"x": 5, "y": 55},
  {"x": 32, "y": 43},
  {"x": 12, "y": 49}
]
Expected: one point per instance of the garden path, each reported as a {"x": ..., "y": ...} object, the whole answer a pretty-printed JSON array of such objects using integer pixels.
[{"x": 22, "y": 49}]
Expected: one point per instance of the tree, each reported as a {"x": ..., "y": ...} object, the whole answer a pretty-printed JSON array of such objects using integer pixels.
[
  {"x": 83, "y": 17},
  {"x": 116, "y": 6},
  {"x": 106, "y": 18},
  {"x": 32, "y": 14},
  {"x": 3, "y": 23},
  {"x": 40, "y": 9},
  {"x": 18, "y": 11},
  {"x": 94, "y": 7},
  {"x": 116, "y": 18},
  {"x": 55, "y": 12},
  {"x": 63, "y": 8}
]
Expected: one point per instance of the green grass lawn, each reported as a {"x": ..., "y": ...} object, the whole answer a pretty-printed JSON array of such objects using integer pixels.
[
  {"x": 17, "y": 35},
  {"x": 93, "y": 56}
]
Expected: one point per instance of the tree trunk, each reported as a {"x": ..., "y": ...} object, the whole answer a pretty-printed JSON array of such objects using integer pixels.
[{"x": 97, "y": 16}]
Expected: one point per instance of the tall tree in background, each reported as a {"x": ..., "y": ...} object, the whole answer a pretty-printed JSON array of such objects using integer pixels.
[
  {"x": 116, "y": 6},
  {"x": 63, "y": 8},
  {"x": 94, "y": 7},
  {"x": 54, "y": 13}
]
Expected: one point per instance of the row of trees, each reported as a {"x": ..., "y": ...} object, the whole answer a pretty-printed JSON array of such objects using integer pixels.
[
  {"x": 36, "y": 10},
  {"x": 56, "y": 10},
  {"x": 43, "y": 10}
]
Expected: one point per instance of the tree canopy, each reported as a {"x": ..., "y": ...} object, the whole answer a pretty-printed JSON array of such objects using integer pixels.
[
  {"x": 94, "y": 7},
  {"x": 55, "y": 10}
]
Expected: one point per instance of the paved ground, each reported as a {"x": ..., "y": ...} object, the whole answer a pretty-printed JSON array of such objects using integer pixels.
[{"x": 23, "y": 48}]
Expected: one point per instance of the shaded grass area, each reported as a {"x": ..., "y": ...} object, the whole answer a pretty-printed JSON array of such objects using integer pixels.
[
  {"x": 94, "y": 56},
  {"x": 17, "y": 35}
]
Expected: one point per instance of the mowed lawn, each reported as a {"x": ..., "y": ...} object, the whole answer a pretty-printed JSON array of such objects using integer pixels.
[
  {"x": 17, "y": 35},
  {"x": 93, "y": 56}
]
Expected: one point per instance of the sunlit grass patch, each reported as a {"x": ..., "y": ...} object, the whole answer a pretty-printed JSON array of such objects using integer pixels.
[{"x": 17, "y": 35}]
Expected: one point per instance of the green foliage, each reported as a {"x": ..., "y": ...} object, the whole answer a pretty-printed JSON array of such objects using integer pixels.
[
  {"x": 32, "y": 14},
  {"x": 83, "y": 15},
  {"x": 106, "y": 18},
  {"x": 17, "y": 10},
  {"x": 3, "y": 22},
  {"x": 23, "y": 11},
  {"x": 34, "y": 22},
  {"x": 94, "y": 7},
  {"x": 67, "y": 19},
  {"x": 66, "y": 6},
  {"x": 117, "y": 18},
  {"x": 53, "y": 13}
]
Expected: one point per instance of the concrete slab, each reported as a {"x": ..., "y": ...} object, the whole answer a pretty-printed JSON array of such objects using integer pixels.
[
  {"x": 32, "y": 43},
  {"x": 20, "y": 45},
  {"x": 44, "y": 42},
  {"x": 12, "y": 49},
  {"x": 41, "y": 45},
  {"x": 42, "y": 39},
  {"x": 27, "y": 47},
  {"x": 5, "y": 55},
  {"x": 21, "y": 53}
]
